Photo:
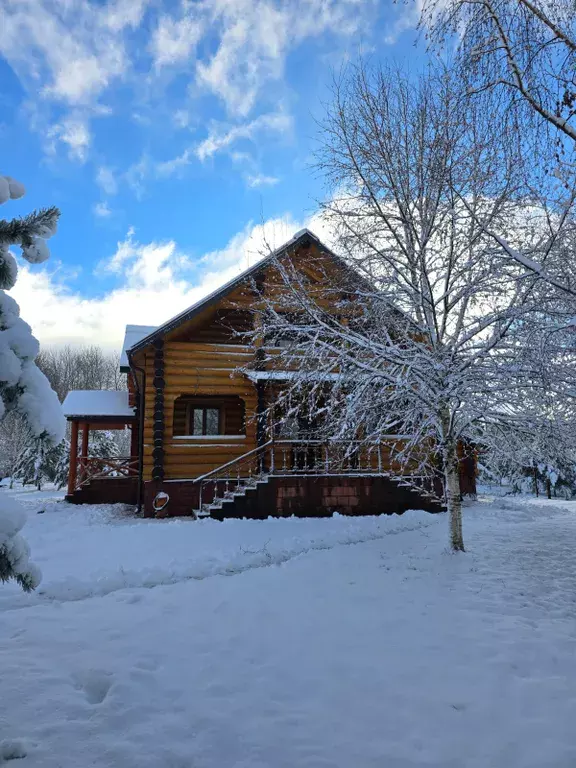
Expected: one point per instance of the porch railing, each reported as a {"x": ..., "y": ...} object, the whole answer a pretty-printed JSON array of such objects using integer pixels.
[
  {"x": 282, "y": 458},
  {"x": 93, "y": 467}
]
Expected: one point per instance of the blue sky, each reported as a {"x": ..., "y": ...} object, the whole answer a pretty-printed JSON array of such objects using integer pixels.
[{"x": 174, "y": 136}]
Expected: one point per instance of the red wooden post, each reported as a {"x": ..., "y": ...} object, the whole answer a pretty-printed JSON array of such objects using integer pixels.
[
  {"x": 84, "y": 450},
  {"x": 134, "y": 451},
  {"x": 73, "y": 459}
]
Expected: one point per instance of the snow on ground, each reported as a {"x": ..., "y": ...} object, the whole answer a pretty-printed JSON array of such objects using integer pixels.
[{"x": 341, "y": 643}]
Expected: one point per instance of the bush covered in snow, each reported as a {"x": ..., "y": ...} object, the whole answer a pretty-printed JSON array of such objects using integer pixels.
[{"x": 14, "y": 551}]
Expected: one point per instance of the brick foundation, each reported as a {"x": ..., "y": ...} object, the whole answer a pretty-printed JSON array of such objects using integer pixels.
[
  {"x": 106, "y": 490},
  {"x": 299, "y": 496}
]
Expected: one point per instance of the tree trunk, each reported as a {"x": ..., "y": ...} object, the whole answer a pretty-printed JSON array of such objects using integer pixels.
[{"x": 453, "y": 498}]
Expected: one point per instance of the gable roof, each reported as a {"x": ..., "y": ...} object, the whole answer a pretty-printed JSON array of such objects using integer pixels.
[{"x": 302, "y": 237}]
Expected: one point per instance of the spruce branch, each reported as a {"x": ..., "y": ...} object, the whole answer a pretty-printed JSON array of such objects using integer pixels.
[{"x": 22, "y": 231}]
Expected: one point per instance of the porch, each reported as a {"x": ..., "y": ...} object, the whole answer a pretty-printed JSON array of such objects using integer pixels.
[
  {"x": 100, "y": 479},
  {"x": 300, "y": 477}
]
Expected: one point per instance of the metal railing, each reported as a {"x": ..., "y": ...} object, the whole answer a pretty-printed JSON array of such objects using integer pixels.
[
  {"x": 283, "y": 458},
  {"x": 235, "y": 475}
]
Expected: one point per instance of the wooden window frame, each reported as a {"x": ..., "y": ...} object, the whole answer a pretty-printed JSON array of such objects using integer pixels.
[
  {"x": 204, "y": 407},
  {"x": 220, "y": 403}
]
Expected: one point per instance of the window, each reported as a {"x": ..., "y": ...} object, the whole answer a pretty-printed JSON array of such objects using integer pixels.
[
  {"x": 208, "y": 415},
  {"x": 204, "y": 421}
]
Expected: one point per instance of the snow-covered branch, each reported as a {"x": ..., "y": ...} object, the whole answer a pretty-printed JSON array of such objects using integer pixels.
[{"x": 23, "y": 387}]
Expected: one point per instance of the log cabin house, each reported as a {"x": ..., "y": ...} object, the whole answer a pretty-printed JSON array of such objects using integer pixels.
[{"x": 201, "y": 443}]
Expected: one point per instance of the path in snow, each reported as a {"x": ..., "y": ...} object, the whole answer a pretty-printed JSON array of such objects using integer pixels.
[
  {"x": 92, "y": 551},
  {"x": 385, "y": 654}
]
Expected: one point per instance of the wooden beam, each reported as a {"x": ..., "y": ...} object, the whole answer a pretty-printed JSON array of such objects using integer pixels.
[
  {"x": 73, "y": 459},
  {"x": 134, "y": 440},
  {"x": 261, "y": 413},
  {"x": 84, "y": 449}
]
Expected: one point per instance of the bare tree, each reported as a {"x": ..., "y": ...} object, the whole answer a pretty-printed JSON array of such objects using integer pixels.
[
  {"x": 425, "y": 341},
  {"x": 69, "y": 368},
  {"x": 527, "y": 47},
  {"x": 526, "y": 51}
]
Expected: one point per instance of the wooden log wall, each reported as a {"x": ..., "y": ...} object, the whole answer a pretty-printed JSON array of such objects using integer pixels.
[
  {"x": 158, "y": 415},
  {"x": 204, "y": 370}
]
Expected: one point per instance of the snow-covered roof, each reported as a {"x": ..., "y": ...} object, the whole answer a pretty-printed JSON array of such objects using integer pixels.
[
  {"x": 96, "y": 402},
  {"x": 132, "y": 335}
]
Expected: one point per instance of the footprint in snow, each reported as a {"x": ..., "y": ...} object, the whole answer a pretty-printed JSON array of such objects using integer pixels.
[
  {"x": 149, "y": 664},
  {"x": 95, "y": 683},
  {"x": 12, "y": 749}
]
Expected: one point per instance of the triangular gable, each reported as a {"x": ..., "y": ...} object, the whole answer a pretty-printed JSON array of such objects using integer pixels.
[{"x": 300, "y": 239}]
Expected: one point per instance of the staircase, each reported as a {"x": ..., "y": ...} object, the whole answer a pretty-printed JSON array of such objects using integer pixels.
[
  {"x": 234, "y": 503},
  {"x": 284, "y": 478}
]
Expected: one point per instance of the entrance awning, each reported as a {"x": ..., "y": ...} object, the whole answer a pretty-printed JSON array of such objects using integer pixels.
[{"x": 96, "y": 409}]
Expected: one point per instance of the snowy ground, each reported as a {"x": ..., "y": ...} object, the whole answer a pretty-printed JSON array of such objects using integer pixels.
[{"x": 349, "y": 643}]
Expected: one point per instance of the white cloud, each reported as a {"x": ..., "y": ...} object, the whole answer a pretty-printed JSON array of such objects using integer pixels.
[
  {"x": 106, "y": 180},
  {"x": 255, "y": 39},
  {"x": 70, "y": 54},
  {"x": 136, "y": 175},
  {"x": 173, "y": 40},
  {"x": 102, "y": 210},
  {"x": 124, "y": 14},
  {"x": 74, "y": 133},
  {"x": 155, "y": 281},
  {"x": 181, "y": 118},
  {"x": 67, "y": 53},
  {"x": 261, "y": 180},
  {"x": 221, "y": 138},
  {"x": 75, "y": 48},
  {"x": 169, "y": 167},
  {"x": 408, "y": 16}
]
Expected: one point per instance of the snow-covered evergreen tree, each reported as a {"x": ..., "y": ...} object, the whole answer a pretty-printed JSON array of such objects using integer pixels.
[
  {"x": 23, "y": 387},
  {"x": 39, "y": 463},
  {"x": 31, "y": 465}
]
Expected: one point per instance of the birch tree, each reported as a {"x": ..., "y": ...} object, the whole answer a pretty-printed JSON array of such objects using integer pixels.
[
  {"x": 525, "y": 50},
  {"x": 524, "y": 47},
  {"x": 418, "y": 335}
]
